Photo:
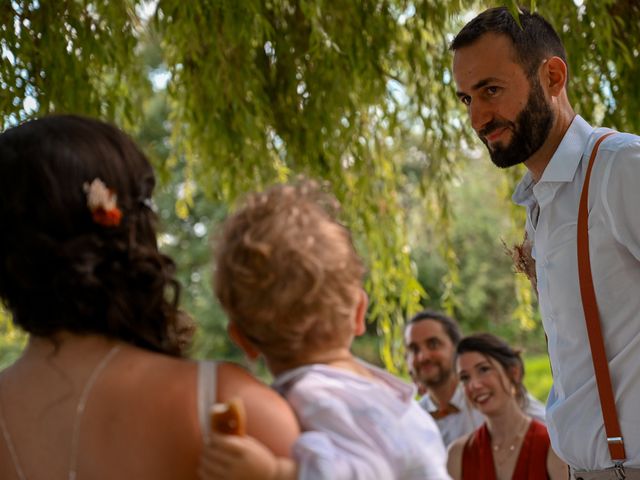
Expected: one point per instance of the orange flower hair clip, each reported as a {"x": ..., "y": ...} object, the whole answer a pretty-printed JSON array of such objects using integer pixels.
[{"x": 102, "y": 203}]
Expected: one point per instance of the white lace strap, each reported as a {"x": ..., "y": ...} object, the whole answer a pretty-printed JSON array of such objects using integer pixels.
[{"x": 206, "y": 394}]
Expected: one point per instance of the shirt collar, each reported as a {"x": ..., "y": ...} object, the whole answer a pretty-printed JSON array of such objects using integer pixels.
[
  {"x": 563, "y": 164},
  {"x": 523, "y": 194},
  {"x": 457, "y": 400}
]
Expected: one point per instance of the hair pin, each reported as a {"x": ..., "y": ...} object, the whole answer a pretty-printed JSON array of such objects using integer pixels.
[
  {"x": 150, "y": 204},
  {"x": 102, "y": 203}
]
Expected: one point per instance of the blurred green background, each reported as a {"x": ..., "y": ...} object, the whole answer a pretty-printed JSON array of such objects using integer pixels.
[{"x": 228, "y": 96}]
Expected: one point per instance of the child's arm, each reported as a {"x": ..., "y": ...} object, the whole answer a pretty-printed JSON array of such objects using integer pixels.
[{"x": 232, "y": 457}]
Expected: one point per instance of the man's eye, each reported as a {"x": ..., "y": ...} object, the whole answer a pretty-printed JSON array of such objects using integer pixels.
[
  {"x": 466, "y": 99},
  {"x": 492, "y": 91}
]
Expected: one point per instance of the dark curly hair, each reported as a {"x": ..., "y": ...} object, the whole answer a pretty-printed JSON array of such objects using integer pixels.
[{"x": 60, "y": 270}]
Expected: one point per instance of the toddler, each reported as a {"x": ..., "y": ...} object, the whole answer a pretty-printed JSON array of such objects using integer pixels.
[{"x": 290, "y": 280}]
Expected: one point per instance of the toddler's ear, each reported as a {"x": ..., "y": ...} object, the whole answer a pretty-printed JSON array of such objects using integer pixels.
[
  {"x": 361, "y": 313},
  {"x": 241, "y": 341}
]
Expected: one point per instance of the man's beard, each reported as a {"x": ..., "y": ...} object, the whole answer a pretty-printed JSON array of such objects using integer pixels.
[
  {"x": 528, "y": 133},
  {"x": 438, "y": 379}
]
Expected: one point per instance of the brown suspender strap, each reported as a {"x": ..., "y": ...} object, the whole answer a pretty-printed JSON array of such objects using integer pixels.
[{"x": 592, "y": 317}]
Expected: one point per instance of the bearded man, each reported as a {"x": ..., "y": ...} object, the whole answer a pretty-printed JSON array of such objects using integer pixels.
[{"x": 512, "y": 77}]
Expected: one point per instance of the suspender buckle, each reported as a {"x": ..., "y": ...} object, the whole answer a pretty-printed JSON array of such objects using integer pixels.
[{"x": 619, "y": 468}]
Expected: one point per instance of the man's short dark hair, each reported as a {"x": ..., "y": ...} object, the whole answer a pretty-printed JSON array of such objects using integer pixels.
[
  {"x": 449, "y": 325},
  {"x": 533, "y": 41}
]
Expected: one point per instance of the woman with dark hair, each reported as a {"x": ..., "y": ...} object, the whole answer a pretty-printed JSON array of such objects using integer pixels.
[
  {"x": 510, "y": 444},
  {"x": 101, "y": 391}
]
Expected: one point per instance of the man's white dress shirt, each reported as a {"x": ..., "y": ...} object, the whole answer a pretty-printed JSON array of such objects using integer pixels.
[{"x": 574, "y": 416}]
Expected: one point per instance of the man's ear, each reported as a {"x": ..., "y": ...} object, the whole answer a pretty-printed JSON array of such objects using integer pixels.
[
  {"x": 554, "y": 75},
  {"x": 361, "y": 313},
  {"x": 241, "y": 341}
]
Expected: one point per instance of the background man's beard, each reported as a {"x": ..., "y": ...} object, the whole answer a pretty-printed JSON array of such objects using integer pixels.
[
  {"x": 438, "y": 380},
  {"x": 529, "y": 131}
]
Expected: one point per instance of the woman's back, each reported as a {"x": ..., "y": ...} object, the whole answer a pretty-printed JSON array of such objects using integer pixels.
[{"x": 140, "y": 418}]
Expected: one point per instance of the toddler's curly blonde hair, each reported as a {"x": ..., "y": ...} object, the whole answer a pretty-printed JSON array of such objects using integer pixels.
[{"x": 287, "y": 272}]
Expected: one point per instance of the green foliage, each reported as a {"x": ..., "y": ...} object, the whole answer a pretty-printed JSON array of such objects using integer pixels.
[
  {"x": 346, "y": 91},
  {"x": 186, "y": 241},
  {"x": 68, "y": 56},
  {"x": 303, "y": 87},
  {"x": 537, "y": 376},
  {"x": 481, "y": 223},
  {"x": 184, "y": 238},
  {"x": 601, "y": 39},
  {"x": 12, "y": 340}
]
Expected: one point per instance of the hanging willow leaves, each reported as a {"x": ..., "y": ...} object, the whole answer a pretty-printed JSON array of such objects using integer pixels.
[
  {"x": 263, "y": 90},
  {"x": 68, "y": 56}
]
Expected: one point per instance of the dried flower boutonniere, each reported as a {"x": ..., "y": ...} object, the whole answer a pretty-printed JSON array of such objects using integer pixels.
[
  {"x": 523, "y": 262},
  {"x": 102, "y": 202}
]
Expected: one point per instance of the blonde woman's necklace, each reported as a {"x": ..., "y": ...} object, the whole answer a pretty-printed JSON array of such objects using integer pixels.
[{"x": 75, "y": 433}]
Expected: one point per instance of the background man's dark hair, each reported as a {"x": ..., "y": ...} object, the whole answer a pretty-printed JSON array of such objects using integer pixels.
[
  {"x": 533, "y": 42},
  {"x": 449, "y": 325}
]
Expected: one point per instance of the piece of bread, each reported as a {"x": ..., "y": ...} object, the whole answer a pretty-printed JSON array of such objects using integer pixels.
[{"x": 228, "y": 418}]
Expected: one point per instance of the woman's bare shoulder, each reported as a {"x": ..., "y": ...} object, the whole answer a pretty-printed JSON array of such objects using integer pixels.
[
  {"x": 269, "y": 417},
  {"x": 454, "y": 457}
]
